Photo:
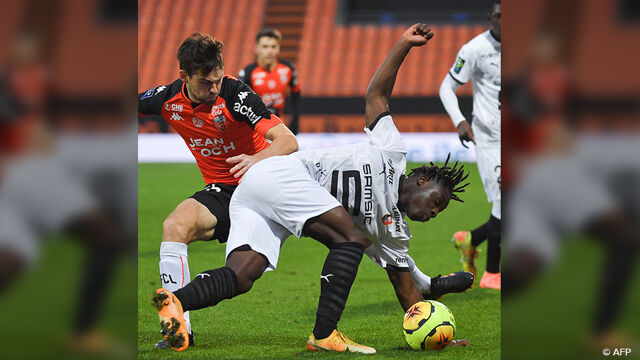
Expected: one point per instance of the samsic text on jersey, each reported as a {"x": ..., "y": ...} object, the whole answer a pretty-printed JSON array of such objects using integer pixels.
[
  {"x": 271, "y": 85},
  {"x": 236, "y": 124}
]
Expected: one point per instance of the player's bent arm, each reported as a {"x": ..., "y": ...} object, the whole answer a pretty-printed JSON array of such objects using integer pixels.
[
  {"x": 406, "y": 290},
  {"x": 283, "y": 142},
  {"x": 450, "y": 100},
  {"x": 381, "y": 86}
]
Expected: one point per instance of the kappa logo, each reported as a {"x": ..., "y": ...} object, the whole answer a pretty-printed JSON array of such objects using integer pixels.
[
  {"x": 243, "y": 95},
  {"x": 387, "y": 219},
  {"x": 197, "y": 122},
  {"x": 325, "y": 277},
  {"x": 220, "y": 123},
  {"x": 160, "y": 88},
  {"x": 176, "y": 117}
]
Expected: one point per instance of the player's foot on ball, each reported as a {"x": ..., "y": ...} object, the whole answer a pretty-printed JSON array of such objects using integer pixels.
[
  {"x": 491, "y": 281},
  {"x": 337, "y": 341},
  {"x": 162, "y": 344},
  {"x": 458, "y": 281},
  {"x": 171, "y": 317},
  {"x": 468, "y": 252}
]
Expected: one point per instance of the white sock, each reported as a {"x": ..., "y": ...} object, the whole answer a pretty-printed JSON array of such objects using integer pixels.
[
  {"x": 496, "y": 209},
  {"x": 174, "y": 269},
  {"x": 422, "y": 281}
]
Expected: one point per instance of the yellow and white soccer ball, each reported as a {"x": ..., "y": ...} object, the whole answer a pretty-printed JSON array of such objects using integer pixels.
[{"x": 428, "y": 325}]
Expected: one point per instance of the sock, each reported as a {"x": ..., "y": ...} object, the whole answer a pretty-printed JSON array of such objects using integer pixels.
[
  {"x": 208, "y": 288},
  {"x": 614, "y": 285},
  {"x": 174, "y": 269},
  {"x": 339, "y": 272},
  {"x": 97, "y": 274},
  {"x": 493, "y": 249},
  {"x": 480, "y": 234},
  {"x": 422, "y": 281}
]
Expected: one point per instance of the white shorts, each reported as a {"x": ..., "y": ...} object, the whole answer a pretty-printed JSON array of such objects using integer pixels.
[
  {"x": 489, "y": 169},
  {"x": 274, "y": 200}
]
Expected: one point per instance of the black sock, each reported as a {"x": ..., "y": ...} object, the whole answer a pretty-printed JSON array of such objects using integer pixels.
[
  {"x": 480, "y": 234},
  {"x": 493, "y": 249},
  {"x": 339, "y": 272},
  {"x": 97, "y": 274},
  {"x": 208, "y": 288},
  {"x": 615, "y": 281}
]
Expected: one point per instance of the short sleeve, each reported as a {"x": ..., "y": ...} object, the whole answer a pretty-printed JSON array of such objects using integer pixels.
[
  {"x": 151, "y": 101},
  {"x": 461, "y": 69},
  {"x": 384, "y": 135},
  {"x": 246, "y": 106}
]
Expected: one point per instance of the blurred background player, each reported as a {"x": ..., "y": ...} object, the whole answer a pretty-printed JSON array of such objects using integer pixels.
[
  {"x": 272, "y": 78},
  {"x": 226, "y": 126},
  {"x": 479, "y": 61}
]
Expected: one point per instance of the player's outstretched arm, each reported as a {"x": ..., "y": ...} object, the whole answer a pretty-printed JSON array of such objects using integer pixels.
[
  {"x": 406, "y": 290},
  {"x": 379, "y": 91}
]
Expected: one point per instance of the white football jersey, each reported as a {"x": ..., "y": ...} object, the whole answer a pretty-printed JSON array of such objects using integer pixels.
[
  {"x": 479, "y": 61},
  {"x": 365, "y": 179}
]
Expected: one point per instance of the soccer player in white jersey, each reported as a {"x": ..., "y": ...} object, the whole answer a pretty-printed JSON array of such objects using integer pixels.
[
  {"x": 479, "y": 61},
  {"x": 353, "y": 199}
]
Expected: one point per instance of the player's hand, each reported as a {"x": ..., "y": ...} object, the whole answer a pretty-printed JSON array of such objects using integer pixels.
[
  {"x": 242, "y": 163},
  {"x": 418, "y": 34},
  {"x": 465, "y": 133}
]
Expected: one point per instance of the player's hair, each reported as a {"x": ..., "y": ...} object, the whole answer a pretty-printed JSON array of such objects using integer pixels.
[
  {"x": 449, "y": 176},
  {"x": 269, "y": 32},
  {"x": 200, "y": 53}
]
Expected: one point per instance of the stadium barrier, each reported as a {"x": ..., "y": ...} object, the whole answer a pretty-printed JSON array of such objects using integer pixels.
[{"x": 421, "y": 147}]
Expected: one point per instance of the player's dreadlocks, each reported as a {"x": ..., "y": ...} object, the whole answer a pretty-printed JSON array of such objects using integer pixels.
[{"x": 451, "y": 176}]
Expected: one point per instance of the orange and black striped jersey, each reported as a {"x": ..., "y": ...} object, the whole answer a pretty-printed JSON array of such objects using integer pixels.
[
  {"x": 236, "y": 124},
  {"x": 272, "y": 86}
]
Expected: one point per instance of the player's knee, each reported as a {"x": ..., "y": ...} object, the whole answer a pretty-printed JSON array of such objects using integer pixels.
[
  {"x": 355, "y": 236},
  {"x": 175, "y": 230}
]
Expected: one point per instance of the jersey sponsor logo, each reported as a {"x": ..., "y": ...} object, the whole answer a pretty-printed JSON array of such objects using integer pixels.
[
  {"x": 271, "y": 84},
  {"x": 174, "y": 107},
  {"x": 243, "y": 95},
  {"x": 166, "y": 106},
  {"x": 246, "y": 111},
  {"x": 272, "y": 99},
  {"x": 397, "y": 219},
  {"x": 198, "y": 122},
  {"x": 392, "y": 172},
  {"x": 147, "y": 94},
  {"x": 459, "y": 65},
  {"x": 217, "y": 109},
  {"x": 209, "y": 146},
  {"x": 259, "y": 74},
  {"x": 387, "y": 220},
  {"x": 368, "y": 193},
  {"x": 401, "y": 260},
  {"x": 220, "y": 122},
  {"x": 175, "y": 116},
  {"x": 259, "y": 82}
]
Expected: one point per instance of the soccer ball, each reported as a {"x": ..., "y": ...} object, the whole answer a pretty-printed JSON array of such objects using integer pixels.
[{"x": 428, "y": 325}]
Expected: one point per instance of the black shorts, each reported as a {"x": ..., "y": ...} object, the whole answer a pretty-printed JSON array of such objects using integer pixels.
[{"x": 216, "y": 197}]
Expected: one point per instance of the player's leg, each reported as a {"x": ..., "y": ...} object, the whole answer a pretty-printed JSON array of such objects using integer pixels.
[
  {"x": 190, "y": 221},
  {"x": 346, "y": 246}
]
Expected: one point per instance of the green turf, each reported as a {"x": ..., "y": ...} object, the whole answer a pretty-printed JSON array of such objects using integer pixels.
[{"x": 275, "y": 318}]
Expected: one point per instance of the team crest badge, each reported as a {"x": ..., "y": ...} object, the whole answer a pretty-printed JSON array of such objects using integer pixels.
[
  {"x": 220, "y": 122},
  {"x": 387, "y": 219},
  {"x": 197, "y": 122}
]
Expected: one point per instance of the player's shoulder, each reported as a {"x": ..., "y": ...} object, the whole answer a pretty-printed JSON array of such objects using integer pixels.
[
  {"x": 163, "y": 91},
  {"x": 231, "y": 85},
  {"x": 287, "y": 63},
  {"x": 247, "y": 70},
  {"x": 479, "y": 41}
]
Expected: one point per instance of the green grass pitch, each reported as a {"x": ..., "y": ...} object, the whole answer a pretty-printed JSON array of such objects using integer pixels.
[{"x": 274, "y": 320}]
